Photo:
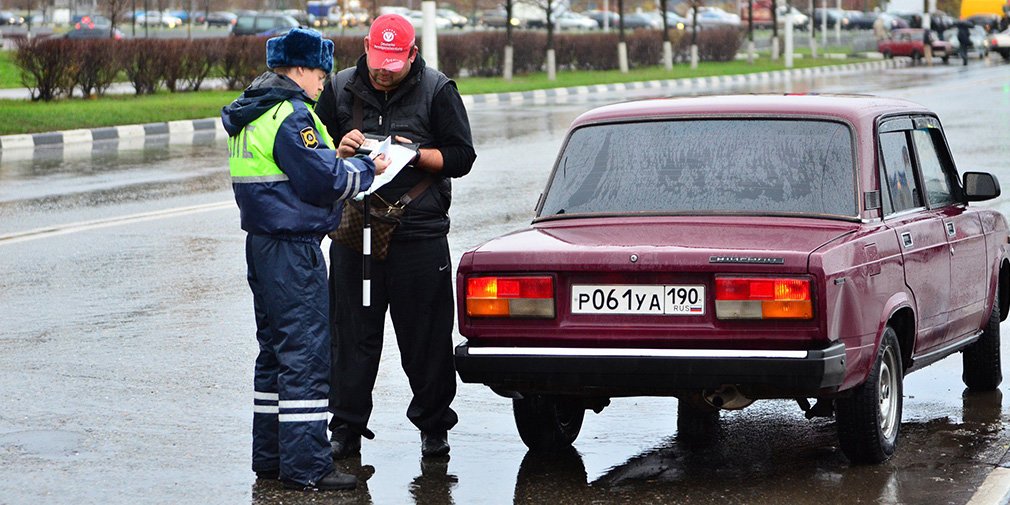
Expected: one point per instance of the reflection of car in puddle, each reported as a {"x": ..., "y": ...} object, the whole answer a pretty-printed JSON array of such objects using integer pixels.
[{"x": 800, "y": 460}]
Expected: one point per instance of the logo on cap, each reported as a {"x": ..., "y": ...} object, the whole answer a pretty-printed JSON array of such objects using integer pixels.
[{"x": 388, "y": 35}]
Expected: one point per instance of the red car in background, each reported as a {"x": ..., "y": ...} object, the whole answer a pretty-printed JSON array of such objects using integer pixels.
[
  {"x": 909, "y": 42},
  {"x": 727, "y": 249}
]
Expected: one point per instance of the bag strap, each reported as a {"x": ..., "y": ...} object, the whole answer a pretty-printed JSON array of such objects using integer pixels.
[
  {"x": 357, "y": 113},
  {"x": 416, "y": 191}
]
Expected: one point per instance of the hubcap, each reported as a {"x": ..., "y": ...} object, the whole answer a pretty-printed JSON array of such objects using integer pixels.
[{"x": 889, "y": 393}]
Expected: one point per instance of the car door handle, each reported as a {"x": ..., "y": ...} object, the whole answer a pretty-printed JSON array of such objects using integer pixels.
[{"x": 906, "y": 239}]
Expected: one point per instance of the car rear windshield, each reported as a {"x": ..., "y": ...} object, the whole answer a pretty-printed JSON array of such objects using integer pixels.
[{"x": 748, "y": 166}]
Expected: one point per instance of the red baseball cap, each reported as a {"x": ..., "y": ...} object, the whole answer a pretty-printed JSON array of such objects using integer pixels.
[{"x": 389, "y": 42}]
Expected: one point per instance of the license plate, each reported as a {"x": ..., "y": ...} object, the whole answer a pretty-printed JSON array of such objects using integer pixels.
[{"x": 639, "y": 299}]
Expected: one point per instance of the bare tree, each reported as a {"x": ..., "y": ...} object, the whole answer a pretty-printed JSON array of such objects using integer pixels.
[
  {"x": 548, "y": 6},
  {"x": 114, "y": 10}
]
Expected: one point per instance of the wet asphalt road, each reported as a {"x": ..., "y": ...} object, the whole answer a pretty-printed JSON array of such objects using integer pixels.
[{"x": 126, "y": 345}]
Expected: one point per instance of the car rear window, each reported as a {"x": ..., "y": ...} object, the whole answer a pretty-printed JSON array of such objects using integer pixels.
[{"x": 748, "y": 166}]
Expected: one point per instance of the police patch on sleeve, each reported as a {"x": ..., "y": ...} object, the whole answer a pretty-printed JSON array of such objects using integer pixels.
[{"x": 309, "y": 137}]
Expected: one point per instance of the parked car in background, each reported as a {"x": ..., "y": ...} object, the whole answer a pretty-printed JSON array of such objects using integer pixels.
[
  {"x": 979, "y": 44},
  {"x": 257, "y": 24},
  {"x": 353, "y": 18},
  {"x": 636, "y": 20},
  {"x": 85, "y": 31},
  {"x": 892, "y": 22},
  {"x": 219, "y": 18},
  {"x": 574, "y": 21},
  {"x": 456, "y": 19},
  {"x": 155, "y": 18},
  {"x": 714, "y": 17},
  {"x": 1000, "y": 43},
  {"x": 604, "y": 18},
  {"x": 90, "y": 21},
  {"x": 11, "y": 19},
  {"x": 909, "y": 42},
  {"x": 416, "y": 18},
  {"x": 859, "y": 20},
  {"x": 676, "y": 21},
  {"x": 495, "y": 18},
  {"x": 833, "y": 17},
  {"x": 842, "y": 255}
]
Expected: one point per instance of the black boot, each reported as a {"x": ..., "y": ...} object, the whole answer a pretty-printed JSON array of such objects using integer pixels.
[
  {"x": 344, "y": 442},
  {"x": 434, "y": 445},
  {"x": 333, "y": 481}
]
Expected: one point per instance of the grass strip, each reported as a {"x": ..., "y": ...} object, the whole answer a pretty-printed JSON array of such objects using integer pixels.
[
  {"x": 10, "y": 74},
  {"x": 480, "y": 85},
  {"x": 114, "y": 110}
]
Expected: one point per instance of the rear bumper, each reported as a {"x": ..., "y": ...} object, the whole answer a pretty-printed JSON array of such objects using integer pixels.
[{"x": 634, "y": 372}]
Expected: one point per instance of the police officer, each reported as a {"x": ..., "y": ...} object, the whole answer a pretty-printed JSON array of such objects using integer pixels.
[{"x": 290, "y": 186}]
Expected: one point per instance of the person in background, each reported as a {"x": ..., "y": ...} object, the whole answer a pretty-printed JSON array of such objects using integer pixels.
[
  {"x": 290, "y": 185},
  {"x": 391, "y": 92}
]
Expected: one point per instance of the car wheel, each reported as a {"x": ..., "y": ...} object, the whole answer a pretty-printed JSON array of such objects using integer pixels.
[
  {"x": 697, "y": 425},
  {"x": 945, "y": 59},
  {"x": 916, "y": 57},
  {"x": 887, "y": 55},
  {"x": 982, "y": 369},
  {"x": 869, "y": 421},
  {"x": 1006, "y": 54},
  {"x": 547, "y": 423}
]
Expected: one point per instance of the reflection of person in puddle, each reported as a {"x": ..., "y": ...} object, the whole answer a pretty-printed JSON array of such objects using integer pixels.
[
  {"x": 434, "y": 485},
  {"x": 558, "y": 477}
]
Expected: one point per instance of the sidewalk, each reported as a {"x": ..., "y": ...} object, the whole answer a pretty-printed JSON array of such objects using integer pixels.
[{"x": 187, "y": 130}]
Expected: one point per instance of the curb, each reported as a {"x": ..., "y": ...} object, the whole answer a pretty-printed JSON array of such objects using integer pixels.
[{"x": 207, "y": 125}]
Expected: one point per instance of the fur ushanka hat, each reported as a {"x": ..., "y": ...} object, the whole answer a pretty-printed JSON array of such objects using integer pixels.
[{"x": 301, "y": 47}]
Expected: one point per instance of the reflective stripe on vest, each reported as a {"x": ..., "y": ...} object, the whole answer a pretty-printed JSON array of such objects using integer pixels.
[{"x": 251, "y": 152}]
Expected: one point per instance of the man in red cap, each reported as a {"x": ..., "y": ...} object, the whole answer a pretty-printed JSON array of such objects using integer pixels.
[{"x": 391, "y": 92}]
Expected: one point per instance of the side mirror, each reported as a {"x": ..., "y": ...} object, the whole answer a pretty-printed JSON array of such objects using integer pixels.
[{"x": 980, "y": 186}]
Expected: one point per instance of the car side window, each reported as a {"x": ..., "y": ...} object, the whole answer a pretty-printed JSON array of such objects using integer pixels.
[
  {"x": 901, "y": 182},
  {"x": 244, "y": 23},
  {"x": 938, "y": 192}
]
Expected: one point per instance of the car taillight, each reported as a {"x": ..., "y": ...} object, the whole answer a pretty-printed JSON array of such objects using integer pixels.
[
  {"x": 529, "y": 297},
  {"x": 763, "y": 298}
]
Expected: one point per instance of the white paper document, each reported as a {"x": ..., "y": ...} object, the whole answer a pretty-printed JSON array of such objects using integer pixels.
[{"x": 398, "y": 157}]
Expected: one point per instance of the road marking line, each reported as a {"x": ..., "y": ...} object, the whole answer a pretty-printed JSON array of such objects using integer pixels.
[
  {"x": 995, "y": 489},
  {"x": 63, "y": 229}
]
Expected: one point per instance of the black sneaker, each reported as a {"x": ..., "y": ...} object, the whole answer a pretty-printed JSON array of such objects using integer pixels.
[
  {"x": 333, "y": 481},
  {"x": 344, "y": 443},
  {"x": 434, "y": 445}
]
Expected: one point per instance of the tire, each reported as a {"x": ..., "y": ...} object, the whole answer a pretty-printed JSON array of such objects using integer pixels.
[
  {"x": 945, "y": 59},
  {"x": 697, "y": 425},
  {"x": 982, "y": 367},
  {"x": 887, "y": 55},
  {"x": 916, "y": 57},
  {"x": 548, "y": 423},
  {"x": 869, "y": 421}
]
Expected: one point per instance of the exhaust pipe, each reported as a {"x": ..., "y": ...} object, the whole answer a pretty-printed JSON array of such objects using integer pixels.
[{"x": 726, "y": 397}]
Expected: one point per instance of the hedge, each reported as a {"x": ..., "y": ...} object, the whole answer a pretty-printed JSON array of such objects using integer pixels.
[{"x": 53, "y": 68}]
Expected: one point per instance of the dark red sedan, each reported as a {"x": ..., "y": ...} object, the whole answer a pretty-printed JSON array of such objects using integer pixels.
[
  {"x": 909, "y": 42},
  {"x": 729, "y": 249}
]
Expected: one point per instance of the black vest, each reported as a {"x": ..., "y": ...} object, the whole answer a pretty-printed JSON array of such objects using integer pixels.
[{"x": 406, "y": 112}]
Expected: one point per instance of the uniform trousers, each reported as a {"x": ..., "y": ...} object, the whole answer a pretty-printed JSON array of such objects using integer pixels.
[{"x": 290, "y": 298}]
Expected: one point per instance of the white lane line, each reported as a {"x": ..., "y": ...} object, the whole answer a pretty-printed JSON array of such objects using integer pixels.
[
  {"x": 995, "y": 490},
  {"x": 63, "y": 229}
]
